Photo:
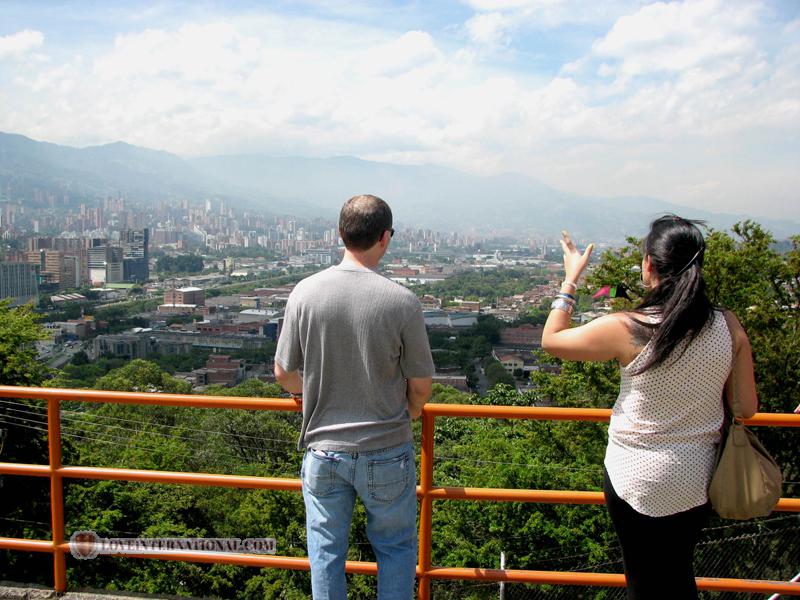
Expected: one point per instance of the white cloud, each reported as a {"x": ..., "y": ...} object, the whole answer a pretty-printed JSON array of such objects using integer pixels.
[
  {"x": 510, "y": 4},
  {"x": 548, "y": 14},
  {"x": 211, "y": 53},
  {"x": 677, "y": 36},
  {"x": 20, "y": 43},
  {"x": 669, "y": 98},
  {"x": 412, "y": 50},
  {"x": 489, "y": 29}
]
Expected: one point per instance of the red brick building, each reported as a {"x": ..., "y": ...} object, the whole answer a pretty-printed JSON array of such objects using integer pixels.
[{"x": 186, "y": 295}]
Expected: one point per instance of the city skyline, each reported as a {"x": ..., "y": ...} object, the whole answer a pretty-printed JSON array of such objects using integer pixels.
[{"x": 692, "y": 102}]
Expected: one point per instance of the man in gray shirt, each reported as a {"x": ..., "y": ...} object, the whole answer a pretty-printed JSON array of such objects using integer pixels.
[{"x": 360, "y": 341}]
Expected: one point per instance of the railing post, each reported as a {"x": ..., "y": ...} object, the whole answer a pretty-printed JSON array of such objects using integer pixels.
[
  {"x": 426, "y": 505},
  {"x": 56, "y": 493}
]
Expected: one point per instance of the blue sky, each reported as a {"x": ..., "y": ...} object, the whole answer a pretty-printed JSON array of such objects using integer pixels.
[{"x": 696, "y": 101}]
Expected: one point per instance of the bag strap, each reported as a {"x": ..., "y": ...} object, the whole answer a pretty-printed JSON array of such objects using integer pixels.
[{"x": 735, "y": 401}]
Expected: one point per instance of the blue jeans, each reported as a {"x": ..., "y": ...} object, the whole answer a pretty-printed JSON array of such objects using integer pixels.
[{"x": 385, "y": 480}]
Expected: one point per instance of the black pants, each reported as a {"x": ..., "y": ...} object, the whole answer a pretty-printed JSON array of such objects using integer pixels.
[{"x": 657, "y": 552}]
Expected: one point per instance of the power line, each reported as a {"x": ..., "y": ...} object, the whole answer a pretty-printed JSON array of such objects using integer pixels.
[
  {"x": 49, "y": 525},
  {"x": 83, "y": 437},
  {"x": 134, "y": 431},
  {"x": 84, "y": 414},
  {"x": 126, "y": 446},
  {"x": 537, "y": 465}
]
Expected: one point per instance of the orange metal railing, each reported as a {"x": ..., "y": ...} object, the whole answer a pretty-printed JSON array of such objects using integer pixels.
[{"x": 427, "y": 492}]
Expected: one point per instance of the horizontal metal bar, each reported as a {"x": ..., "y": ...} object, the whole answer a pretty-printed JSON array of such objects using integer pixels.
[
  {"x": 514, "y": 495},
  {"x": 605, "y": 579},
  {"x": 281, "y": 404},
  {"x": 24, "y": 469},
  {"x": 26, "y": 545},
  {"x": 185, "y": 400},
  {"x": 774, "y": 420},
  {"x": 300, "y": 563},
  {"x": 551, "y": 496},
  {"x": 518, "y": 412},
  {"x": 522, "y": 576},
  {"x": 205, "y": 479},
  {"x": 294, "y": 485},
  {"x": 788, "y": 505}
]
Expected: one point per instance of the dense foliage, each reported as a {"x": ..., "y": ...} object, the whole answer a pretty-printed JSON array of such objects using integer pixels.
[
  {"x": 24, "y": 501},
  {"x": 486, "y": 286},
  {"x": 182, "y": 263},
  {"x": 19, "y": 331}
]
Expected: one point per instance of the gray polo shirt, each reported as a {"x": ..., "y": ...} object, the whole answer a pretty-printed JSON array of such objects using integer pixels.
[{"x": 357, "y": 336}]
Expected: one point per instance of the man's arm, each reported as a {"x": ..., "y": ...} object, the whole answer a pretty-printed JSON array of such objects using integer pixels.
[
  {"x": 418, "y": 392},
  {"x": 291, "y": 381}
]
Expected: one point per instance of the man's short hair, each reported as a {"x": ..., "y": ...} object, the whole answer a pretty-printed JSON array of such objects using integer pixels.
[{"x": 363, "y": 221}]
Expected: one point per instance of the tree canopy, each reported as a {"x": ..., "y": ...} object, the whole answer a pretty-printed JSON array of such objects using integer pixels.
[{"x": 183, "y": 263}]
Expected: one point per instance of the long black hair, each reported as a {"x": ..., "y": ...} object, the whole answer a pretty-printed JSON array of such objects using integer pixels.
[{"x": 676, "y": 249}]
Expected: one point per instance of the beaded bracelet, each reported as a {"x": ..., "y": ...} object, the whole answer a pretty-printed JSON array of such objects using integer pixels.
[
  {"x": 571, "y": 284},
  {"x": 565, "y": 295},
  {"x": 562, "y": 304}
]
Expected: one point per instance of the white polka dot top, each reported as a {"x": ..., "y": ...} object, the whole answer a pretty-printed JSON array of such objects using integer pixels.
[{"x": 666, "y": 423}]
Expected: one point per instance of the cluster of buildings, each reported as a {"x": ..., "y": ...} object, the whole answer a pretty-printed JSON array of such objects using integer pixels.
[
  {"x": 223, "y": 324},
  {"x": 62, "y": 263},
  {"x": 75, "y": 243},
  {"x": 58, "y": 248}
]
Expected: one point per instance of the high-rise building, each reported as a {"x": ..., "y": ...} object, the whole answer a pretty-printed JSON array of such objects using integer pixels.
[
  {"x": 105, "y": 264},
  {"x": 114, "y": 268},
  {"x": 135, "y": 254},
  {"x": 71, "y": 273},
  {"x": 18, "y": 282}
]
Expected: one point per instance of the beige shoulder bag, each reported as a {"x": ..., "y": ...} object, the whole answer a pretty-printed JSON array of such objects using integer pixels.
[{"x": 747, "y": 480}]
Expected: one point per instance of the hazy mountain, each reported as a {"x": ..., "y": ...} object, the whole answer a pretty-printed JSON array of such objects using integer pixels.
[
  {"x": 425, "y": 196},
  {"x": 446, "y": 199},
  {"x": 102, "y": 169}
]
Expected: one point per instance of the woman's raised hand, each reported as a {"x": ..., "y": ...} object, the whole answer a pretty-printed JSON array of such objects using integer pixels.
[{"x": 574, "y": 261}]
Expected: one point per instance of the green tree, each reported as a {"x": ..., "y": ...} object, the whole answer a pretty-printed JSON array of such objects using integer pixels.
[
  {"x": 24, "y": 501},
  {"x": 80, "y": 358},
  {"x": 484, "y": 285},
  {"x": 142, "y": 376},
  {"x": 183, "y": 263},
  {"x": 496, "y": 373},
  {"x": 19, "y": 332}
]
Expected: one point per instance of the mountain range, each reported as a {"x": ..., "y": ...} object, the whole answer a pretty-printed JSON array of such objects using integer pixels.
[{"x": 433, "y": 197}]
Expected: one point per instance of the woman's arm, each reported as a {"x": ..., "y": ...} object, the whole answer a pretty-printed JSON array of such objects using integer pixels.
[
  {"x": 741, "y": 383},
  {"x": 605, "y": 338}
]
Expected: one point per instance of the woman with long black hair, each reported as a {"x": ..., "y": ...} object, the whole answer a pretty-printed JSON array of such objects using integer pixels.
[{"x": 679, "y": 357}]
